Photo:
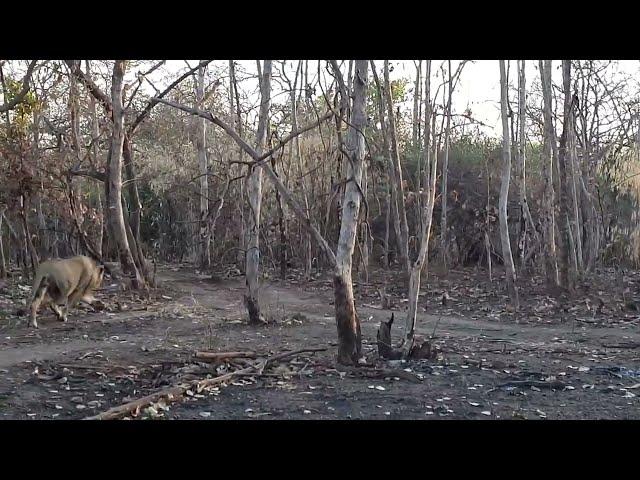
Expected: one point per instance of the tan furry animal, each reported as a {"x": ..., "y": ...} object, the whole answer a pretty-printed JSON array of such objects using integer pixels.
[{"x": 64, "y": 283}]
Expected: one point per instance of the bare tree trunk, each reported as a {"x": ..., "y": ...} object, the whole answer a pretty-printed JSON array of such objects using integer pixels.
[
  {"x": 95, "y": 134},
  {"x": 396, "y": 169},
  {"x": 510, "y": 271},
  {"x": 283, "y": 236},
  {"x": 549, "y": 247},
  {"x": 430, "y": 172},
  {"x": 416, "y": 113},
  {"x": 387, "y": 214},
  {"x": 567, "y": 273},
  {"x": 201, "y": 146},
  {"x": 364, "y": 231},
  {"x": 391, "y": 212},
  {"x": 298, "y": 160},
  {"x": 135, "y": 209},
  {"x": 254, "y": 193},
  {"x": 28, "y": 243},
  {"x": 347, "y": 321},
  {"x": 574, "y": 182},
  {"x": 237, "y": 120},
  {"x": 114, "y": 180},
  {"x": 521, "y": 165},
  {"x": 444, "y": 248},
  {"x": 3, "y": 262}
]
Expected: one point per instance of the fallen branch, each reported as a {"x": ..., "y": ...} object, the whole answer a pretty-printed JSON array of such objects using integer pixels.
[
  {"x": 171, "y": 394},
  {"x": 177, "y": 392},
  {"x": 216, "y": 357},
  {"x": 287, "y": 354}
]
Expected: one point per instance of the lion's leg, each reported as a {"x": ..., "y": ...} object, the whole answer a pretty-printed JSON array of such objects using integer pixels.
[{"x": 38, "y": 297}]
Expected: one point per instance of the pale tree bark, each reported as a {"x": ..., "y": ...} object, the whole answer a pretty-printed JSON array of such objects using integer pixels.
[
  {"x": 396, "y": 181},
  {"x": 549, "y": 247},
  {"x": 521, "y": 161},
  {"x": 347, "y": 321},
  {"x": 444, "y": 247},
  {"x": 430, "y": 173},
  {"x": 567, "y": 272},
  {"x": 114, "y": 179},
  {"x": 510, "y": 271},
  {"x": 254, "y": 194},
  {"x": 201, "y": 147}
]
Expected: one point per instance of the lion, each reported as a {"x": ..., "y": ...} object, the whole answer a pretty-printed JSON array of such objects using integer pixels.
[{"x": 62, "y": 283}]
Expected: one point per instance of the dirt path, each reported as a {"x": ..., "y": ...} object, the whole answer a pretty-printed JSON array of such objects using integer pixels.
[{"x": 98, "y": 360}]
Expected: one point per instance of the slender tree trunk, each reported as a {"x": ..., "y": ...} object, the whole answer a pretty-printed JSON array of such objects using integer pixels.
[
  {"x": 298, "y": 160},
  {"x": 416, "y": 114},
  {"x": 567, "y": 273},
  {"x": 201, "y": 147},
  {"x": 254, "y": 192},
  {"x": 114, "y": 181},
  {"x": 95, "y": 135},
  {"x": 237, "y": 120},
  {"x": 396, "y": 168},
  {"x": 444, "y": 247},
  {"x": 3, "y": 262},
  {"x": 521, "y": 166},
  {"x": 364, "y": 232},
  {"x": 391, "y": 212},
  {"x": 387, "y": 214},
  {"x": 283, "y": 237},
  {"x": 430, "y": 171},
  {"x": 549, "y": 247},
  {"x": 135, "y": 208},
  {"x": 510, "y": 271}
]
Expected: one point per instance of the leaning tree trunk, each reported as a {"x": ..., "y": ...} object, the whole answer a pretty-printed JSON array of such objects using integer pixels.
[
  {"x": 347, "y": 321},
  {"x": 254, "y": 193},
  {"x": 201, "y": 144},
  {"x": 114, "y": 180},
  {"x": 548, "y": 202},
  {"x": 510, "y": 271}
]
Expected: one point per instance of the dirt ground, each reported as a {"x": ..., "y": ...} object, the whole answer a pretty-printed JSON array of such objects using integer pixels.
[{"x": 555, "y": 359}]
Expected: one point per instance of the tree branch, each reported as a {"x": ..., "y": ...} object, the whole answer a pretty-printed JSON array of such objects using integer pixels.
[
  {"x": 23, "y": 92},
  {"x": 260, "y": 161},
  {"x": 154, "y": 101}
]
